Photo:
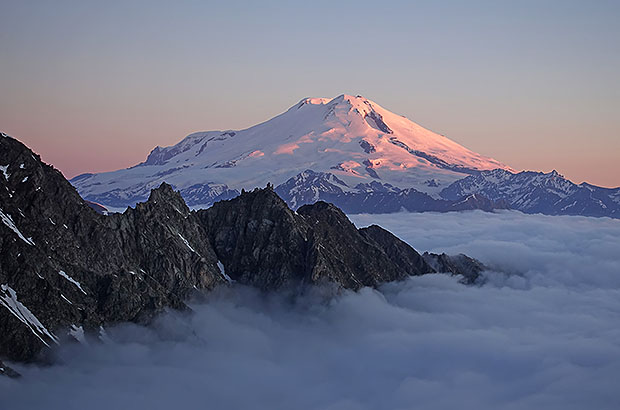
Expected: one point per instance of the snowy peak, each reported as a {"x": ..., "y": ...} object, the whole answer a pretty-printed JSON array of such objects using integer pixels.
[
  {"x": 350, "y": 151},
  {"x": 310, "y": 101},
  {"x": 350, "y": 137},
  {"x": 353, "y": 101},
  {"x": 318, "y": 126},
  {"x": 538, "y": 192}
]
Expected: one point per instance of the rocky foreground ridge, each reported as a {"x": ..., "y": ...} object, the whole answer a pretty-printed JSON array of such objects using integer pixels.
[{"x": 67, "y": 271}]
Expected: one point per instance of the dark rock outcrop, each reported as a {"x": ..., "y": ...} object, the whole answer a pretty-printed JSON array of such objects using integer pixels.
[
  {"x": 468, "y": 268},
  {"x": 7, "y": 371},
  {"x": 100, "y": 209},
  {"x": 261, "y": 242},
  {"x": 400, "y": 253},
  {"x": 258, "y": 239},
  {"x": 67, "y": 270},
  {"x": 63, "y": 264},
  {"x": 340, "y": 253}
]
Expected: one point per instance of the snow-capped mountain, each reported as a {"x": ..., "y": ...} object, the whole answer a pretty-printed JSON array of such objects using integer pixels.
[
  {"x": 537, "y": 192},
  {"x": 349, "y": 151},
  {"x": 374, "y": 197},
  {"x": 354, "y": 142}
]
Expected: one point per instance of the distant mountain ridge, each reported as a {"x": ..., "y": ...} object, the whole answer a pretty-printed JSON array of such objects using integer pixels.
[
  {"x": 347, "y": 150},
  {"x": 374, "y": 197},
  {"x": 538, "y": 192}
]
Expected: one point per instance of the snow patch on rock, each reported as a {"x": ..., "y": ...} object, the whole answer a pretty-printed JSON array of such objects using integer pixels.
[
  {"x": 77, "y": 332},
  {"x": 187, "y": 243},
  {"x": 4, "y": 169},
  {"x": 8, "y": 298},
  {"x": 8, "y": 221},
  {"x": 70, "y": 279},
  {"x": 220, "y": 265}
]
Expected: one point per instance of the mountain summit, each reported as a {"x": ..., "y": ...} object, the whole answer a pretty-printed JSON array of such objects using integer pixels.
[
  {"x": 351, "y": 152},
  {"x": 352, "y": 138}
]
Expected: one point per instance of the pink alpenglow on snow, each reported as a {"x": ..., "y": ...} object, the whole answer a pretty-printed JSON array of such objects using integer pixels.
[{"x": 351, "y": 137}]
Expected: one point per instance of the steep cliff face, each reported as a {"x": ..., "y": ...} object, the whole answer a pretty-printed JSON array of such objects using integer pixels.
[
  {"x": 258, "y": 239},
  {"x": 67, "y": 270},
  {"x": 64, "y": 265},
  {"x": 342, "y": 254},
  {"x": 401, "y": 254},
  {"x": 261, "y": 242}
]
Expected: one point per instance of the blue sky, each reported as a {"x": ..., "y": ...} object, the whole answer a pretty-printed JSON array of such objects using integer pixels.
[{"x": 533, "y": 83}]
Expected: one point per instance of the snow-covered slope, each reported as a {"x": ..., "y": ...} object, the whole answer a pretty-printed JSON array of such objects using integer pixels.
[
  {"x": 352, "y": 138},
  {"x": 537, "y": 192},
  {"x": 349, "y": 151}
]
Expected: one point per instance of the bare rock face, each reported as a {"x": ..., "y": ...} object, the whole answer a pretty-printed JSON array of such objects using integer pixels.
[
  {"x": 67, "y": 270},
  {"x": 468, "y": 268},
  {"x": 258, "y": 239},
  {"x": 63, "y": 265},
  {"x": 343, "y": 254},
  {"x": 400, "y": 253},
  {"x": 262, "y": 243}
]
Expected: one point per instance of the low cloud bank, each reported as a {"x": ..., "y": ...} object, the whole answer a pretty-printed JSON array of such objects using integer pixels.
[{"x": 544, "y": 334}]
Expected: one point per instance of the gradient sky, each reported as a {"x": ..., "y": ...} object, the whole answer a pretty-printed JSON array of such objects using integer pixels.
[{"x": 94, "y": 86}]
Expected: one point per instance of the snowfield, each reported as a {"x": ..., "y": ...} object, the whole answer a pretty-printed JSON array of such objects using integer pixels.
[
  {"x": 349, "y": 151},
  {"x": 541, "y": 333},
  {"x": 351, "y": 137}
]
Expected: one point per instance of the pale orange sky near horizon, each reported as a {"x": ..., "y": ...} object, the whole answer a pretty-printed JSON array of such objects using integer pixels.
[
  {"x": 94, "y": 87},
  {"x": 108, "y": 149}
]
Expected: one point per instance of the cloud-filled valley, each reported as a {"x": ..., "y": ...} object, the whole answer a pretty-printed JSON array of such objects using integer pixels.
[{"x": 540, "y": 332}]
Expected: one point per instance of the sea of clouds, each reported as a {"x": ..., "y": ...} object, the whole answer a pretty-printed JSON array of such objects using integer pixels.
[{"x": 542, "y": 332}]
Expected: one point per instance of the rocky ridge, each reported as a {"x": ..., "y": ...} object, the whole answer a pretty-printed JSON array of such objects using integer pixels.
[
  {"x": 538, "y": 192},
  {"x": 67, "y": 271},
  {"x": 375, "y": 197}
]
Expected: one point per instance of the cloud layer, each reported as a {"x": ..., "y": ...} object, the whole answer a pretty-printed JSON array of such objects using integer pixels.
[{"x": 542, "y": 334}]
